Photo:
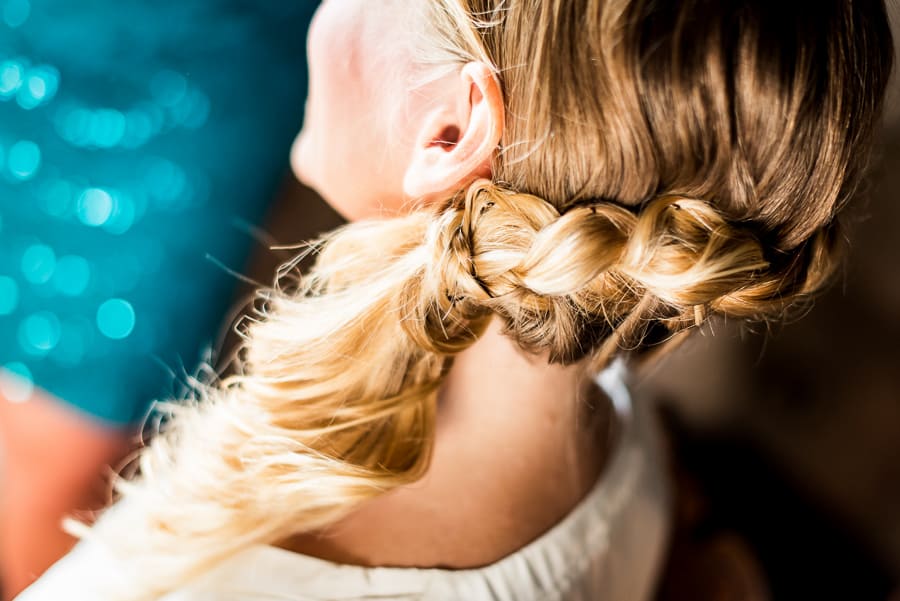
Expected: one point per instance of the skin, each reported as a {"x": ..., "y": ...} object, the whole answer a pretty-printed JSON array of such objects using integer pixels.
[
  {"x": 546, "y": 448},
  {"x": 52, "y": 461}
]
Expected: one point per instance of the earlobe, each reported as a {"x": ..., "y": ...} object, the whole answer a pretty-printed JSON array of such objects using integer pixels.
[{"x": 458, "y": 138}]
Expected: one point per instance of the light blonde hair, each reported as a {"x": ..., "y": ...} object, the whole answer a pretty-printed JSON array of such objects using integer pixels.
[{"x": 661, "y": 162}]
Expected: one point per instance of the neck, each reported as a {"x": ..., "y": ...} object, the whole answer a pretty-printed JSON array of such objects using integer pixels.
[
  {"x": 495, "y": 391},
  {"x": 518, "y": 443}
]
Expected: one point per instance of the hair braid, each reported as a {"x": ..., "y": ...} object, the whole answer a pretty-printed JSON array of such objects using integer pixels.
[{"x": 598, "y": 274}]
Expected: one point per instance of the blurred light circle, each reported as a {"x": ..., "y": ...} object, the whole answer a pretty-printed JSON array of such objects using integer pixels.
[
  {"x": 116, "y": 318},
  {"x": 16, "y": 12},
  {"x": 34, "y": 90},
  {"x": 39, "y": 87},
  {"x": 40, "y": 332},
  {"x": 12, "y": 73},
  {"x": 107, "y": 127},
  {"x": 38, "y": 263},
  {"x": 192, "y": 110},
  {"x": 9, "y": 295},
  {"x": 95, "y": 206},
  {"x": 138, "y": 128},
  {"x": 138, "y": 198},
  {"x": 26, "y": 100},
  {"x": 197, "y": 111},
  {"x": 50, "y": 75},
  {"x": 168, "y": 87},
  {"x": 72, "y": 275},
  {"x": 16, "y": 382},
  {"x": 166, "y": 181},
  {"x": 24, "y": 159},
  {"x": 74, "y": 125},
  {"x": 123, "y": 215},
  {"x": 153, "y": 112}
]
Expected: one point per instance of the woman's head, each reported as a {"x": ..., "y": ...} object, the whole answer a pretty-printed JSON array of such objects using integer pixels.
[
  {"x": 761, "y": 111},
  {"x": 599, "y": 173}
]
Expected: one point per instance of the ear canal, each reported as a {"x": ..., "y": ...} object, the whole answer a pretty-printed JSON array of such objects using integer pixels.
[{"x": 449, "y": 137}]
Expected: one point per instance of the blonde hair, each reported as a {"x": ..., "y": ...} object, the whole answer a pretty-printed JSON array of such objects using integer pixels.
[{"x": 661, "y": 162}]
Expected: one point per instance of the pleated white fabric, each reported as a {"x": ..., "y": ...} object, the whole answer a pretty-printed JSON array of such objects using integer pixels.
[{"x": 610, "y": 547}]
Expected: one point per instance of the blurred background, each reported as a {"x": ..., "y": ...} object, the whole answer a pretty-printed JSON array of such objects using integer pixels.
[
  {"x": 141, "y": 144},
  {"x": 788, "y": 438}
]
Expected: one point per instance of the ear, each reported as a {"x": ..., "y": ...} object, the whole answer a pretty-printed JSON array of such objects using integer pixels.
[{"x": 457, "y": 139}]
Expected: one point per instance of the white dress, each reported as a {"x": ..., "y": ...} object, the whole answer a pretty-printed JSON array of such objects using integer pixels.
[{"x": 610, "y": 547}]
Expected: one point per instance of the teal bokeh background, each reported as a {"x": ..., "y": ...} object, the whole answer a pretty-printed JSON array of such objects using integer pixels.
[{"x": 139, "y": 140}]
